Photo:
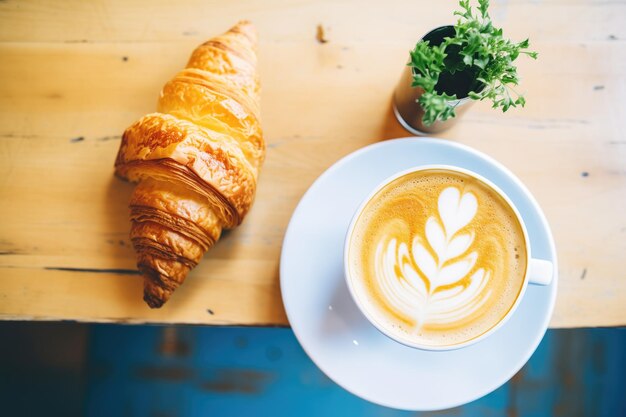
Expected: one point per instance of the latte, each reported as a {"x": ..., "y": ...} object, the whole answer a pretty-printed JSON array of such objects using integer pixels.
[{"x": 437, "y": 257}]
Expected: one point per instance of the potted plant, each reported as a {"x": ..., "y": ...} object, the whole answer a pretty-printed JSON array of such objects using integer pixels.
[{"x": 451, "y": 66}]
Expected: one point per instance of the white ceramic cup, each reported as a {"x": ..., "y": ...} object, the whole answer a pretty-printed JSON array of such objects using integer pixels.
[{"x": 538, "y": 271}]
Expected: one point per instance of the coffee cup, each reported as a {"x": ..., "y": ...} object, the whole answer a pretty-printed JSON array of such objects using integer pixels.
[{"x": 438, "y": 257}]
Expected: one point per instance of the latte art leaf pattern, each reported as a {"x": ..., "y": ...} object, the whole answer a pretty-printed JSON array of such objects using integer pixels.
[{"x": 433, "y": 279}]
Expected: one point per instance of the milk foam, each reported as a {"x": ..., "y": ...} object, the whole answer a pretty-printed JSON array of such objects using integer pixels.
[
  {"x": 409, "y": 280},
  {"x": 433, "y": 272}
]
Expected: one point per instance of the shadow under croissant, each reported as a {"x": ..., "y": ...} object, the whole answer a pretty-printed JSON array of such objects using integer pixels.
[{"x": 120, "y": 250}]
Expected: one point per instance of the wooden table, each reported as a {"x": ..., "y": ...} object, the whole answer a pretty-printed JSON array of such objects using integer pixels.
[{"x": 74, "y": 74}]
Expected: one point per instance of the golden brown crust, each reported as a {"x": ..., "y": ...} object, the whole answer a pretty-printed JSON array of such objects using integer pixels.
[
  {"x": 197, "y": 160},
  {"x": 179, "y": 208},
  {"x": 159, "y": 144},
  {"x": 233, "y": 56},
  {"x": 216, "y": 108}
]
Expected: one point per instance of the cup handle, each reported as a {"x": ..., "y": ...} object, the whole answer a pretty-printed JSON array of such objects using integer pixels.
[{"x": 540, "y": 272}]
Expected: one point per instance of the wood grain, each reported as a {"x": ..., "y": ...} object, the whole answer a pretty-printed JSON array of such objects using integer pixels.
[{"x": 73, "y": 75}]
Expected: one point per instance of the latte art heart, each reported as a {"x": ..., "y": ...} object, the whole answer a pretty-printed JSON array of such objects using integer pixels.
[{"x": 437, "y": 256}]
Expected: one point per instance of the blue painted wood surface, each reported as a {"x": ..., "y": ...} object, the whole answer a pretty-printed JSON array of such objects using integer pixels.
[{"x": 151, "y": 371}]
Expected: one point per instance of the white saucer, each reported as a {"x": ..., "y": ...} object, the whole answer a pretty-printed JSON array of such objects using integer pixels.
[{"x": 339, "y": 339}]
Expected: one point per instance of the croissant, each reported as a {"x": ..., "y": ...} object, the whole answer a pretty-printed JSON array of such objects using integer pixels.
[{"x": 196, "y": 160}]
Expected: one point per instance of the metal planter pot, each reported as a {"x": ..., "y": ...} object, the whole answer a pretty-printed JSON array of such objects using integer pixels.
[{"x": 408, "y": 111}]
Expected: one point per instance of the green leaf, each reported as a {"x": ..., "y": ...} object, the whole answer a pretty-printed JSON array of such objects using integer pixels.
[
  {"x": 427, "y": 83},
  {"x": 437, "y": 107},
  {"x": 481, "y": 63},
  {"x": 483, "y": 6},
  {"x": 467, "y": 10}
]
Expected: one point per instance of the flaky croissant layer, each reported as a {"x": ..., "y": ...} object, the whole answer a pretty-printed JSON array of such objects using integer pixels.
[{"x": 196, "y": 160}]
